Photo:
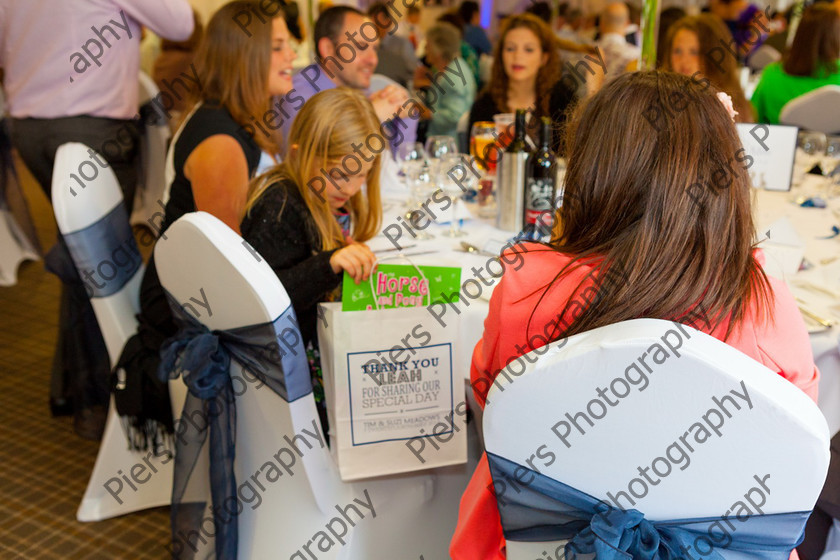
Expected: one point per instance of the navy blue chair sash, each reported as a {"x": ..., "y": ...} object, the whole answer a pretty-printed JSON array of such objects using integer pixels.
[
  {"x": 273, "y": 353},
  {"x": 545, "y": 509},
  {"x": 104, "y": 253}
]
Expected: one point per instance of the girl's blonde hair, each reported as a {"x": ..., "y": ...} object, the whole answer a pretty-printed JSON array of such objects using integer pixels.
[{"x": 321, "y": 151}]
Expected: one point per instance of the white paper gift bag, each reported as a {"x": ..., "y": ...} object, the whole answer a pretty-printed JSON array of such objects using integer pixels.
[{"x": 394, "y": 402}]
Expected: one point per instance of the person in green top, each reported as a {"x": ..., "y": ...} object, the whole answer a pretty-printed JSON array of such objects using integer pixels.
[{"x": 812, "y": 62}]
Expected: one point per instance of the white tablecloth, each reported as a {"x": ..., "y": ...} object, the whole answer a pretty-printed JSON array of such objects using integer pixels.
[{"x": 812, "y": 225}]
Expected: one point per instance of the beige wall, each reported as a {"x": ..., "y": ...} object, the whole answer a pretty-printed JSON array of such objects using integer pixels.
[{"x": 205, "y": 8}]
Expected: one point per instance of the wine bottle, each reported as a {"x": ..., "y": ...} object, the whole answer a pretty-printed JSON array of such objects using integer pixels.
[
  {"x": 540, "y": 188},
  {"x": 512, "y": 169},
  {"x": 518, "y": 144}
]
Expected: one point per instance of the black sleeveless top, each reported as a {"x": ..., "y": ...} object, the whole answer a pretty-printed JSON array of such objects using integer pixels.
[{"x": 208, "y": 120}]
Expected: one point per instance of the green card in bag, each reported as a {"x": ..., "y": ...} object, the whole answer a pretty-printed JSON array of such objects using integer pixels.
[{"x": 396, "y": 286}]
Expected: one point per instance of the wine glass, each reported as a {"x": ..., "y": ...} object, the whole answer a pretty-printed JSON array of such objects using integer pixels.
[
  {"x": 439, "y": 146},
  {"x": 831, "y": 165},
  {"x": 456, "y": 177},
  {"x": 813, "y": 144},
  {"x": 436, "y": 148},
  {"x": 422, "y": 188},
  {"x": 410, "y": 157}
]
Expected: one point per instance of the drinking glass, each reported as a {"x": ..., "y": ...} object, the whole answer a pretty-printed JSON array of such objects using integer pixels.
[
  {"x": 422, "y": 188},
  {"x": 439, "y": 146},
  {"x": 813, "y": 144},
  {"x": 831, "y": 165},
  {"x": 482, "y": 140},
  {"x": 410, "y": 157},
  {"x": 455, "y": 178}
]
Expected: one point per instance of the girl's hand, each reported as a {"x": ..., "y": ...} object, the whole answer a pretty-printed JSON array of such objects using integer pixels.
[{"x": 356, "y": 259}]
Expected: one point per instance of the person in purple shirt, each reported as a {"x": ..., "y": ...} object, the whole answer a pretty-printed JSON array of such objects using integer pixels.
[
  {"x": 71, "y": 75},
  {"x": 346, "y": 44},
  {"x": 748, "y": 24}
]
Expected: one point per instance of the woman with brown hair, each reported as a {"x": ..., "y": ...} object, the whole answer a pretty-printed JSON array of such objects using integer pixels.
[
  {"x": 213, "y": 157},
  {"x": 649, "y": 228},
  {"x": 812, "y": 62},
  {"x": 688, "y": 46},
  {"x": 526, "y": 75}
]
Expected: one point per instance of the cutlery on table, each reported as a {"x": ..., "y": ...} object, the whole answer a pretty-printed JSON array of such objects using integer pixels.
[{"x": 470, "y": 248}]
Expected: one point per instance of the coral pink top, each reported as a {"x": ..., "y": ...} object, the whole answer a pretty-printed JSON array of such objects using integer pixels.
[{"x": 780, "y": 343}]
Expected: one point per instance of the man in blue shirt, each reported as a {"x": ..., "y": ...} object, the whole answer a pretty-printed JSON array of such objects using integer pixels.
[
  {"x": 474, "y": 34},
  {"x": 346, "y": 44}
]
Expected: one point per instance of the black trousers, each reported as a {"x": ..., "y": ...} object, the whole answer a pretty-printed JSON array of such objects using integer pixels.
[{"x": 81, "y": 366}]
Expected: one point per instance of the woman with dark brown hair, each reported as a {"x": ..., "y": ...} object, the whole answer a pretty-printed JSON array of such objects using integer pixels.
[
  {"x": 687, "y": 51},
  {"x": 812, "y": 62},
  {"x": 526, "y": 75},
  {"x": 657, "y": 227}
]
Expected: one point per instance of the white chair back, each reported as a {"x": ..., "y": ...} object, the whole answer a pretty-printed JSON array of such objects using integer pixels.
[
  {"x": 203, "y": 259},
  {"x": 79, "y": 203},
  {"x": 815, "y": 110},
  {"x": 15, "y": 247},
  {"x": 662, "y": 423},
  {"x": 763, "y": 57},
  {"x": 151, "y": 184}
]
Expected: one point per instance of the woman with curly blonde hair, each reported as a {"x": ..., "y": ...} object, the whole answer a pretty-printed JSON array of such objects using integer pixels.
[{"x": 526, "y": 75}]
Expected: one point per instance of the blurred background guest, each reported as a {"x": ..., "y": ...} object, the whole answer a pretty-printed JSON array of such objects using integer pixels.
[
  {"x": 467, "y": 52},
  {"x": 575, "y": 23},
  {"x": 526, "y": 75},
  {"x": 813, "y": 61},
  {"x": 474, "y": 34},
  {"x": 633, "y": 33},
  {"x": 410, "y": 27},
  {"x": 540, "y": 9},
  {"x": 214, "y": 155},
  {"x": 687, "y": 46},
  {"x": 779, "y": 28},
  {"x": 746, "y": 22},
  {"x": 174, "y": 60},
  {"x": 667, "y": 18},
  {"x": 396, "y": 54},
  {"x": 618, "y": 54},
  {"x": 48, "y": 110},
  {"x": 456, "y": 84}
]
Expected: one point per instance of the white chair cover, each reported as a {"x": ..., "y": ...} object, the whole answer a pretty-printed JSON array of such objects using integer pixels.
[
  {"x": 15, "y": 245},
  {"x": 763, "y": 57},
  {"x": 151, "y": 184},
  {"x": 415, "y": 514},
  {"x": 815, "y": 110},
  {"x": 108, "y": 494},
  {"x": 15, "y": 248},
  {"x": 783, "y": 434}
]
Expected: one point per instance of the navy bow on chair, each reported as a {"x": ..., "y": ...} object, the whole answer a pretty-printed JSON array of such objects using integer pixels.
[
  {"x": 202, "y": 358},
  {"x": 545, "y": 509}
]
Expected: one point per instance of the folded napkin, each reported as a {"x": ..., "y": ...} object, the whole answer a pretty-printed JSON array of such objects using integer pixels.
[{"x": 783, "y": 249}]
